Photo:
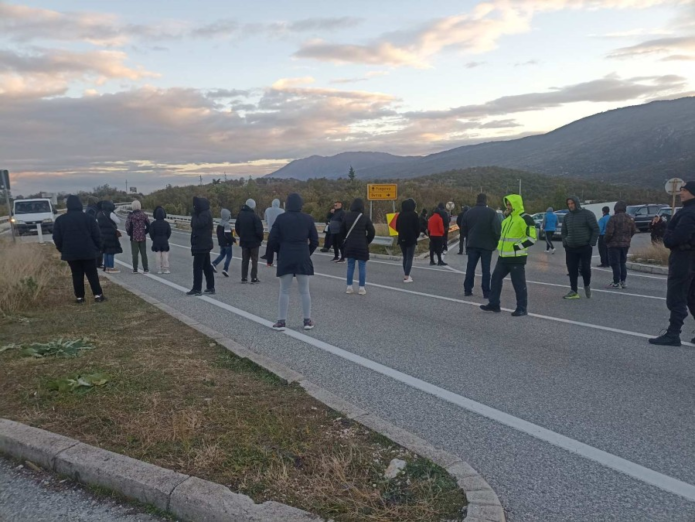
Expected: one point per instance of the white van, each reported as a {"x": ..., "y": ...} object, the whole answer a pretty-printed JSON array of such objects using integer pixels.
[{"x": 27, "y": 214}]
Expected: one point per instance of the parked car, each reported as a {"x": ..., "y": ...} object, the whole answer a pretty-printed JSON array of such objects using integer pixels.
[
  {"x": 28, "y": 214},
  {"x": 643, "y": 214},
  {"x": 538, "y": 218},
  {"x": 558, "y": 231}
]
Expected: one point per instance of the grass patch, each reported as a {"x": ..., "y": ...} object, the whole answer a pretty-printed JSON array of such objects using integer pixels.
[
  {"x": 652, "y": 254},
  {"x": 179, "y": 400}
]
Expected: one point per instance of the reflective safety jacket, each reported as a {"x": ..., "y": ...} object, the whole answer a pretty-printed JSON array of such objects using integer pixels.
[{"x": 518, "y": 232}]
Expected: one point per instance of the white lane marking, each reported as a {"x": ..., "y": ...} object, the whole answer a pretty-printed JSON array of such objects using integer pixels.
[
  {"x": 632, "y": 274},
  {"x": 608, "y": 460}
]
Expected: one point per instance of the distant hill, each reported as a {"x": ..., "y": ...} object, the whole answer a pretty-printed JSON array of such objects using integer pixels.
[
  {"x": 643, "y": 144},
  {"x": 337, "y": 166}
]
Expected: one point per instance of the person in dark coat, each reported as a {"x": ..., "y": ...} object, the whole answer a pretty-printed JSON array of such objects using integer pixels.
[
  {"x": 226, "y": 239},
  {"x": 335, "y": 228},
  {"x": 357, "y": 233},
  {"x": 409, "y": 228},
  {"x": 424, "y": 230},
  {"x": 657, "y": 229},
  {"x": 459, "y": 221},
  {"x": 137, "y": 226},
  {"x": 108, "y": 226},
  {"x": 92, "y": 211},
  {"x": 160, "y": 232},
  {"x": 446, "y": 219},
  {"x": 618, "y": 237},
  {"x": 201, "y": 246},
  {"x": 327, "y": 241},
  {"x": 249, "y": 228},
  {"x": 294, "y": 239},
  {"x": 76, "y": 236},
  {"x": 482, "y": 229},
  {"x": 580, "y": 233}
]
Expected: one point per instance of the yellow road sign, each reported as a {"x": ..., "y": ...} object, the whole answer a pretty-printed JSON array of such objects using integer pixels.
[
  {"x": 391, "y": 220},
  {"x": 382, "y": 192}
]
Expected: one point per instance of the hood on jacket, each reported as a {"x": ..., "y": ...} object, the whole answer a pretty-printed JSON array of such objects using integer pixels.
[
  {"x": 620, "y": 206},
  {"x": 275, "y": 203},
  {"x": 357, "y": 205},
  {"x": 225, "y": 216},
  {"x": 159, "y": 213},
  {"x": 200, "y": 205},
  {"x": 91, "y": 211},
  {"x": 251, "y": 203},
  {"x": 441, "y": 206},
  {"x": 578, "y": 205},
  {"x": 465, "y": 209},
  {"x": 107, "y": 206},
  {"x": 549, "y": 209},
  {"x": 294, "y": 203},
  {"x": 481, "y": 199},
  {"x": 408, "y": 205},
  {"x": 74, "y": 204},
  {"x": 516, "y": 202}
]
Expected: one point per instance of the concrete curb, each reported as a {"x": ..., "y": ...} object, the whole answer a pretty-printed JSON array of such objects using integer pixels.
[
  {"x": 483, "y": 503},
  {"x": 187, "y": 497},
  {"x": 649, "y": 269}
]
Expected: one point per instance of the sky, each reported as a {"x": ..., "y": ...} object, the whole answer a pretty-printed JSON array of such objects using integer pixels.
[{"x": 165, "y": 91}]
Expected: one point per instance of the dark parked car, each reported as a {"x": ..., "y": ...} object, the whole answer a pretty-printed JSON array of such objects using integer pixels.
[{"x": 643, "y": 214}]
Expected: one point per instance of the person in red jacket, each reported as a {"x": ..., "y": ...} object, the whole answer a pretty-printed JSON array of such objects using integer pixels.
[{"x": 435, "y": 226}]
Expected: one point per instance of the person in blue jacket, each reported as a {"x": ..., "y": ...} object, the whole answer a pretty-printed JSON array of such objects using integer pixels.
[
  {"x": 602, "y": 248},
  {"x": 549, "y": 227}
]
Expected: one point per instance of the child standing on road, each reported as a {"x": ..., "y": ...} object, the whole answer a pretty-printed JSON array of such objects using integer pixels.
[{"x": 226, "y": 239}]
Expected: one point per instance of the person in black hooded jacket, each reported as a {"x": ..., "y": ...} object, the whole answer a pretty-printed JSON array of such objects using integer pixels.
[
  {"x": 357, "y": 233},
  {"x": 294, "y": 239},
  {"x": 409, "y": 227},
  {"x": 160, "y": 232},
  {"x": 108, "y": 226},
  {"x": 201, "y": 246},
  {"x": 249, "y": 228},
  {"x": 76, "y": 236},
  {"x": 459, "y": 222},
  {"x": 92, "y": 211}
]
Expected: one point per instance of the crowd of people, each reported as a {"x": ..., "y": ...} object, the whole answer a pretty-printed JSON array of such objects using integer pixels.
[{"x": 90, "y": 240}]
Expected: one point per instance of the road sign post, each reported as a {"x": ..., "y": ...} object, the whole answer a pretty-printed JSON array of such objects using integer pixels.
[
  {"x": 673, "y": 187},
  {"x": 5, "y": 184}
]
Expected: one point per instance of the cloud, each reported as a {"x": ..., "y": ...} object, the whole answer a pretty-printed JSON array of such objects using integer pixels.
[
  {"x": 228, "y": 93},
  {"x": 680, "y": 45},
  {"x": 366, "y": 77},
  {"x": 473, "y": 65},
  {"x": 526, "y": 64}
]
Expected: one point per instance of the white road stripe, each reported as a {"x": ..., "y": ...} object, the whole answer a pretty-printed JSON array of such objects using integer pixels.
[{"x": 608, "y": 460}]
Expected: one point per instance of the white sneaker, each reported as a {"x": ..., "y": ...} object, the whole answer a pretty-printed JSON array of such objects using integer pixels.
[
  {"x": 362, "y": 291},
  {"x": 552, "y": 251},
  {"x": 350, "y": 290},
  {"x": 408, "y": 280},
  {"x": 159, "y": 271},
  {"x": 167, "y": 271}
]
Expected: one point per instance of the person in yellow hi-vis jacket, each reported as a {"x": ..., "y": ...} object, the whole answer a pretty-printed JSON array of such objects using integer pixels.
[{"x": 518, "y": 234}]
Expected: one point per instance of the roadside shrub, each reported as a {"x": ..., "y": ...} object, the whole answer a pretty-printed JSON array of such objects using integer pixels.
[{"x": 652, "y": 254}]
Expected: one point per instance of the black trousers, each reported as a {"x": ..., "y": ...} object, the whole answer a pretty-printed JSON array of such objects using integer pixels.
[
  {"x": 680, "y": 288},
  {"x": 337, "y": 241},
  {"x": 485, "y": 257},
  {"x": 81, "y": 268},
  {"x": 618, "y": 260},
  {"x": 249, "y": 254},
  {"x": 201, "y": 264},
  {"x": 603, "y": 251},
  {"x": 328, "y": 241},
  {"x": 436, "y": 245},
  {"x": 462, "y": 241},
  {"x": 579, "y": 259},
  {"x": 518, "y": 273}
]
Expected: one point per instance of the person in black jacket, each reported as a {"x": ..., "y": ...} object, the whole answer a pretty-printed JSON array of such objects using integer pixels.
[
  {"x": 424, "y": 218},
  {"x": 92, "y": 211},
  {"x": 108, "y": 226},
  {"x": 335, "y": 228},
  {"x": 680, "y": 286},
  {"x": 357, "y": 233},
  {"x": 459, "y": 221},
  {"x": 160, "y": 232},
  {"x": 409, "y": 228},
  {"x": 249, "y": 228},
  {"x": 446, "y": 218},
  {"x": 482, "y": 229},
  {"x": 327, "y": 241},
  {"x": 294, "y": 239},
  {"x": 76, "y": 236},
  {"x": 201, "y": 246},
  {"x": 225, "y": 238}
]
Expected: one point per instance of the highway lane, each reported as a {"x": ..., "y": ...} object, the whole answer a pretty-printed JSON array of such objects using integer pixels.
[{"x": 611, "y": 391}]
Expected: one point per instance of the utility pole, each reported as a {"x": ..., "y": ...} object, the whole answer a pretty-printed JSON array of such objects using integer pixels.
[
  {"x": 520, "y": 187},
  {"x": 126, "y": 186},
  {"x": 201, "y": 180}
]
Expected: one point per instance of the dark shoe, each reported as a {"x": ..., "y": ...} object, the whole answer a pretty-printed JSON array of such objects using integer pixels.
[
  {"x": 335, "y": 259},
  {"x": 280, "y": 326},
  {"x": 432, "y": 263},
  {"x": 214, "y": 268},
  {"x": 341, "y": 261},
  {"x": 324, "y": 250},
  {"x": 614, "y": 285},
  {"x": 623, "y": 285},
  {"x": 79, "y": 300},
  {"x": 225, "y": 273},
  {"x": 244, "y": 281},
  {"x": 442, "y": 263},
  {"x": 460, "y": 253},
  {"x": 100, "y": 298},
  {"x": 255, "y": 281},
  {"x": 210, "y": 291},
  {"x": 587, "y": 292},
  {"x": 308, "y": 324},
  {"x": 468, "y": 294},
  {"x": 196, "y": 293},
  {"x": 490, "y": 308},
  {"x": 135, "y": 270},
  {"x": 264, "y": 257},
  {"x": 668, "y": 339},
  {"x": 519, "y": 313}
]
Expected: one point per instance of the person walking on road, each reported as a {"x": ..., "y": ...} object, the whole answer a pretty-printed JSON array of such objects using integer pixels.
[
  {"x": 225, "y": 239},
  {"x": 294, "y": 239},
  {"x": 680, "y": 286},
  {"x": 517, "y": 236},
  {"x": 459, "y": 221},
  {"x": 579, "y": 236},
  {"x": 160, "y": 232},
  {"x": 335, "y": 228},
  {"x": 358, "y": 232},
  {"x": 76, "y": 236},
  {"x": 549, "y": 225},
  {"x": 482, "y": 229},
  {"x": 201, "y": 246},
  {"x": 249, "y": 228},
  {"x": 137, "y": 226},
  {"x": 108, "y": 227},
  {"x": 408, "y": 227},
  {"x": 619, "y": 232},
  {"x": 602, "y": 248},
  {"x": 435, "y": 228},
  {"x": 657, "y": 228},
  {"x": 271, "y": 213},
  {"x": 446, "y": 219}
]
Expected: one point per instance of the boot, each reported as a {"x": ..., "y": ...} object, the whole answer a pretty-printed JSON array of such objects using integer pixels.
[
  {"x": 519, "y": 312},
  {"x": 667, "y": 339}
]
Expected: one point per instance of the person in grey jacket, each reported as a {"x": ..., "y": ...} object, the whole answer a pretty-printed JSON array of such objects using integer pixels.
[
  {"x": 271, "y": 214},
  {"x": 580, "y": 233}
]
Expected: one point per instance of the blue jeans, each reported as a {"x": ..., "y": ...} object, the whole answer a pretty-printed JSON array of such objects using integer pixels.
[
  {"x": 351, "y": 271},
  {"x": 109, "y": 260},
  {"x": 226, "y": 254}
]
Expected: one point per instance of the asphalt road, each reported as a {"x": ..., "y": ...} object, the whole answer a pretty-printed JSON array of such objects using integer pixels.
[{"x": 568, "y": 413}]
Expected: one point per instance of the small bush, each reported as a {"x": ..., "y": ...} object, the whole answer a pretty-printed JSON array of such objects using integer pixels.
[{"x": 652, "y": 254}]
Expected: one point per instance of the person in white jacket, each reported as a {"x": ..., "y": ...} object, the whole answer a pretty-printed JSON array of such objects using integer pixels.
[{"x": 271, "y": 214}]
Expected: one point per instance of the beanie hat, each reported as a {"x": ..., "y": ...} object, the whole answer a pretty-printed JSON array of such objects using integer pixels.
[
  {"x": 250, "y": 203},
  {"x": 689, "y": 186}
]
